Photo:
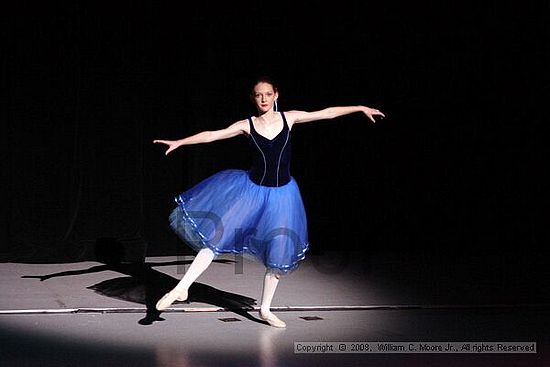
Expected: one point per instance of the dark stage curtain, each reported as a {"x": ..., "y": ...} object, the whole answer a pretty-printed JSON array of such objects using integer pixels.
[{"x": 453, "y": 174}]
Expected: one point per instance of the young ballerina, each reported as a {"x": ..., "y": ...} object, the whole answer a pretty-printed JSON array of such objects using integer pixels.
[{"x": 257, "y": 212}]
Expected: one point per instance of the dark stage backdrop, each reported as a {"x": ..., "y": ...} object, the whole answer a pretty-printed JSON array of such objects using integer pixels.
[{"x": 454, "y": 171}]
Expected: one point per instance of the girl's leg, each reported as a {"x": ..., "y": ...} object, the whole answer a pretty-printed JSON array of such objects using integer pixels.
[
  {"x": 202, "y": 261},
  {"x": 270, "y": 284}
]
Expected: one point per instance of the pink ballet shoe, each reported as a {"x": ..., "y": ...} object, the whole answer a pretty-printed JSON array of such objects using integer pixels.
[
  {"x": 170, "y": 298},
  {"x": 272, "y": 320}
]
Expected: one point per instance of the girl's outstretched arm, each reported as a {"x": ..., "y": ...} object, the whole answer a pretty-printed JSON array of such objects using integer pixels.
[
  {"x": 237, "y": 128},
  {"x": 298, "y": 117}
]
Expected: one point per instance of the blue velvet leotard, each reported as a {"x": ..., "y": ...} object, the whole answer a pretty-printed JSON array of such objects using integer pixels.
[{"x": 271, "y": 162}]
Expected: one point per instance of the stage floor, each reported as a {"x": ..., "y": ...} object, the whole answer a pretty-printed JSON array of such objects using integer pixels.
[{"x": 92, "y": 314}]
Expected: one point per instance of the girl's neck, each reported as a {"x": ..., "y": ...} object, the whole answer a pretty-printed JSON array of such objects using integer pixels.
[{"x": 267, "y": 115}]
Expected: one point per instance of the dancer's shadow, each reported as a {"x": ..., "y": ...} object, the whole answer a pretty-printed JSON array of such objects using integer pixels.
[{"x": 146, "y": 285}]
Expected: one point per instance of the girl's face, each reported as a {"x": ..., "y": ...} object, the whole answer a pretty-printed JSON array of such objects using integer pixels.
[{"x": 264, "y": 97}]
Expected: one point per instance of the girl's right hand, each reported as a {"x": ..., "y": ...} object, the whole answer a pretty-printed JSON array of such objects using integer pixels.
[{"x": 172, "y": 144}]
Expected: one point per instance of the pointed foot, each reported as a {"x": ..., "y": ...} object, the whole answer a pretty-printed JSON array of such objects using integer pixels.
[
  {"x": 170, "y": 298},
  {"x": 272, "y": 320}
]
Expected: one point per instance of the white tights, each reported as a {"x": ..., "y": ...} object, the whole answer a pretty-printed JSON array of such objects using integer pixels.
[
  {"x": 270, "y": 284},
  {"x": 199, "y": 265}
]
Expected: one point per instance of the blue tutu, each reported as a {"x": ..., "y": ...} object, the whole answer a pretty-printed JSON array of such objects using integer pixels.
[{"x": 229, "y": 213}]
